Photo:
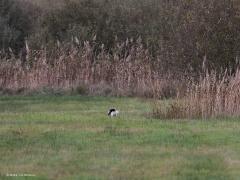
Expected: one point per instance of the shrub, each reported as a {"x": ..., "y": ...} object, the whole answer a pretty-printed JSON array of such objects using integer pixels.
[
  {"x": 177, "y": 34},
  {"x": 16, "y": 22},
  {"x": 82, "y": 90}
]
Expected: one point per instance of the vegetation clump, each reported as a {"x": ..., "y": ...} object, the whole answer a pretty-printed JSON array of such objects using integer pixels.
[{"x": 212, "y": 96}]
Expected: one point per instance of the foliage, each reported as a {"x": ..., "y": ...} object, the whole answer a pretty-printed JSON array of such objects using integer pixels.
[
  {"x": 179, "y": 35},
  {"x": 16, "y": 21}
]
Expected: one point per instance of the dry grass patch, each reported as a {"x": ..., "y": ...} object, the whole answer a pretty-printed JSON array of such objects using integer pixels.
[{"x": 212, "y": 97}]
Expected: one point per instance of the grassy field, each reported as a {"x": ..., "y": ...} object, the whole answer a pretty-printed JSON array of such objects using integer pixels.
[{"x": 70, "y": 137}]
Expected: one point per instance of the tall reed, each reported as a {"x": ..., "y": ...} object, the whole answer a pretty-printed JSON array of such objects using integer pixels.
[
  {"x": 211, "y": 97},
  {"x": 128, "y": 70}
]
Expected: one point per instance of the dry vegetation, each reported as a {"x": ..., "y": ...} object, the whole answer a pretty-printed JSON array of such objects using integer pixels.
[
  {"x": 81, "y": 70},
  {"x": 212, "y": 96}
]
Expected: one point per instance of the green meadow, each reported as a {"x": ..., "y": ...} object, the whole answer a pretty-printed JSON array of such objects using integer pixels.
[{"x": 71, "y": 137}]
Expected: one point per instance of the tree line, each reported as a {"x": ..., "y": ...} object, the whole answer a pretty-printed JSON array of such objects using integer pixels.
[{"x": 182, "y": 35}]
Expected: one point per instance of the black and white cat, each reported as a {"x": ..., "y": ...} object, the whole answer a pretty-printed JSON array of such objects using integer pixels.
[{"x": 113, "y": 112}]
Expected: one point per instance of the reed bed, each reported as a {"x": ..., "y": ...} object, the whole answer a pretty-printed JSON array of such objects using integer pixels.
[
  {"x": 127, "y": 71},
  {"x": 213, "y": 96}
]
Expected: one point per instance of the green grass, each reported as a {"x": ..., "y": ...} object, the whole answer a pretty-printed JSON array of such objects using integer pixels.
[{"x": 70, "y": 137}]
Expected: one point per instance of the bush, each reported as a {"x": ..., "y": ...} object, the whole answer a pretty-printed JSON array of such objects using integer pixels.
[
  {"x": 16, "y": 23},
  {"x": 180, "y": 35}
]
